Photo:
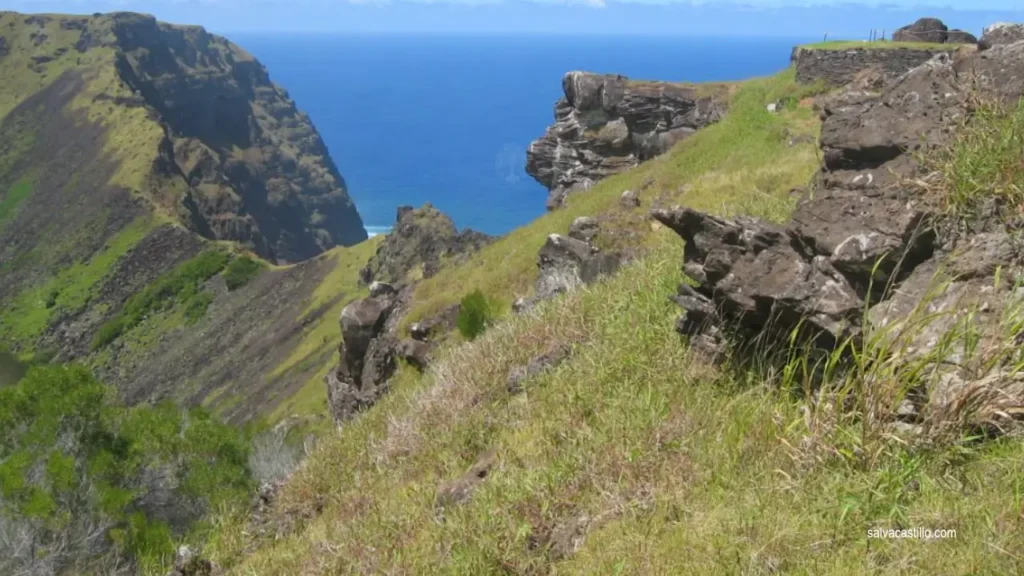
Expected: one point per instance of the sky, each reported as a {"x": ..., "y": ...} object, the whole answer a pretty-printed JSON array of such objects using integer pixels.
[{"x": 785, "y": 18}]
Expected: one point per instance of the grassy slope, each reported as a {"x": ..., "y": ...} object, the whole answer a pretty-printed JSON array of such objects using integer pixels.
[{"x": 673, "y": 466}]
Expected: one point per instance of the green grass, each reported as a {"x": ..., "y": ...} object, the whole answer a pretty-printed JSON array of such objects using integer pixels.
[
  {"x": 984, "y": 163},
  {"x": 31, "y": 311},
  {"x": 679, "y": 468},
  {"x": 241, "y": 270},
  {"x": 881, "y": 45},
  {"x": 670, "y": 465},
  {"x": 17, "y": 194},
  {"x": 180, "y": 286}
]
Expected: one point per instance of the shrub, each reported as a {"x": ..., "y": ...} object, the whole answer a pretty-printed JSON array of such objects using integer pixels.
[
  {"x": 475, "y": 315},
  {"x": 240, "y": 271},
  {"x": 83, "y": 477}
]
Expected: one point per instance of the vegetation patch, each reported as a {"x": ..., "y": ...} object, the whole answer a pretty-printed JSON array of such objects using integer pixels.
[
  {"x": 31, "y": 311},
  {"x": 474, "y": 315},
  {"x": 14, "y": 197},
  {"x": 181, "y": 285},
  {"x": 86, "y": 483},
  {"x": 984, "y": 165},
  {"x": 241, "y": 270}
]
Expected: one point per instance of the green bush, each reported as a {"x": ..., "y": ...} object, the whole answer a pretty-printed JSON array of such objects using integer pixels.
[
  {"x": 240, "y": 271},
  {"x": 180, "y": 285},
  {"x": 70, "y": 450},
  {"x": 475, "y": 315}
]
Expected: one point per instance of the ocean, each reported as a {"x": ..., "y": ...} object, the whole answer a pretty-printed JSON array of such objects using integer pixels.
[{"x": 447, "y": 119}]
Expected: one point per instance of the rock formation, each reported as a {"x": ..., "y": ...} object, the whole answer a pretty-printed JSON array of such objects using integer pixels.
[
  {"x": 838, "y": 67},
  {"x": 367, "y": 352},
  {"x": 932, "y": 30},
  {"x": 607, "y": 124},
  {"x": 567, "y": 263},
  {"x": 1001, "y": 33},
  {"x": 420, "y": 241},
  {"x": 866, "y": 239}
]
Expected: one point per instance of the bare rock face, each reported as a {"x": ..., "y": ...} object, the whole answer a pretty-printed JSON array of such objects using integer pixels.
[
  {"x": 256, "y": 169},
  {"x": 421, "y": 239},
  {"x": 368, "y": 354},
  {"x": 865, "y": 240},
  {"x": 1001, "y": 33},
  {"x": 607, "y": 124},
  {"x": 934, "y": 31}
]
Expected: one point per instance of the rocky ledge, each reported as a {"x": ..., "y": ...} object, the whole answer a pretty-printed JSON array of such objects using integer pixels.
[
  {"x": 420, "y": 241},
  {"x": 607, "y": 124},
  {"x": 866, "y": 247}
]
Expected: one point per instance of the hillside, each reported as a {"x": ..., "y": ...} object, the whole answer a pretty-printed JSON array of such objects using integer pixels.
[
  {"x": 140, "y": 159},
  {"x": 585, "y": 435}
]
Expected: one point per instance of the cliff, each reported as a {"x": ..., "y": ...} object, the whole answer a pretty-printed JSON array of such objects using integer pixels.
[
  {"x": 142, "y": 165},
  {"x": 607, "y": 124},
  {"x": 159, "y": 119}
]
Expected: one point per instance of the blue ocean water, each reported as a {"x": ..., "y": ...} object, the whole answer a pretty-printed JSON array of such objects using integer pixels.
[{"x": 447, "y": 119}]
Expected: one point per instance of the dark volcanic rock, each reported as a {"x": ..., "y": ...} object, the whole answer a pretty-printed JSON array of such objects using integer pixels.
[
  {"x": 367, "y": 354},
  {"x": 1001, "y": 33},
  {"x": 566, "y": 263},
  {"x": 607, "y": 124},
  {"x": 924, "y": 30},
  {"x": 865, "y": 141},
  {"x": 421, "y": 240},
  {"x": 840, "y": 67},
  {"x": 861, "y": 250},
  {"x": 537, "y": 365},
  {"x": 960, "y": 37}
]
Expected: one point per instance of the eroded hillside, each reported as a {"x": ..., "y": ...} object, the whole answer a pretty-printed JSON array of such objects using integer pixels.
[{"x": 139, "y": 163}]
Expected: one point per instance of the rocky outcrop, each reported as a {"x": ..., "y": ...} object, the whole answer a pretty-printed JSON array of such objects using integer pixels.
[
  {"x": 459, "y": 490},
  {"x": 422, "y": 239},
  {"x": 607, "y": 124},
  {"x": 566, "y": 263},
  {"x": 841, "y": 66},
  {"x": 934, "y": 31},
  {"x": 1001, "y": 33},
  {"x": 367, "y": 352},
  {"x": 865, "y": 245}
]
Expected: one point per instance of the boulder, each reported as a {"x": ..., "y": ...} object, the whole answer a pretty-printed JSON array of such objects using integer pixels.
[
  {"x": 865, "y": 140},
  {"x": 188, "y": 563},
  {"x": 1001, "y": 33},
  {"x": 584, "y": 229},
  {"x": 960, "y": 37},
  {"x": 606, "y": 124},
  {"x": 629, "y": 199},
  {"x": 421, "y": 240},
  {"x": 367, "y": 354},
  {"x": 414, "y": 352},
  {"x": 459, "y": 490},
  {"x": 924, "y": 30},
  {"x": 566, "y": 263},
  {"x": 537, "y": 365}
]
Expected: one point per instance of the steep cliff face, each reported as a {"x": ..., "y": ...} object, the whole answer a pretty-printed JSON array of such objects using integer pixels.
[
  {"x": 188, "y": 123},
  {"x": 127, "y": 147},
  {"x": 607, "y": 124}
]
